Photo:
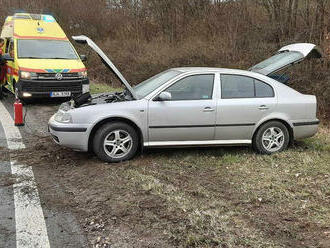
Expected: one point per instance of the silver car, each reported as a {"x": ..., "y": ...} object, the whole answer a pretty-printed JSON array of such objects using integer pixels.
[{"x": 191, "y": 107}]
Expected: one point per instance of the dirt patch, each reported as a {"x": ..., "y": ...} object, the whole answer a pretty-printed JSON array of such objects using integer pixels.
[{"x": 227, "y": 197}]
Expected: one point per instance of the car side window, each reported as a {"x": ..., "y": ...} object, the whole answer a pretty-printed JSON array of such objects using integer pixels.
[
  {"x": 237, "y": 86},
  {"x": 263, "y": 89},
  {"x": 234, "y": 86},
  {"x": 196, "y": 87}
]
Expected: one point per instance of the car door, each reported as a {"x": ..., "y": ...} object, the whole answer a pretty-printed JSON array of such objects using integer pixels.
[
  {"x": 190, "y": 113},
  {"x": 10, "y": 65},
  {"x": 243, "y": 102}
]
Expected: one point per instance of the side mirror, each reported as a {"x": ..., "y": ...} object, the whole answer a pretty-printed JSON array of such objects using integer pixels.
[
  {"x": 6, "y": 57},
  {"x": 83, "y": 58},
  {"x": 164, "y": 96}
]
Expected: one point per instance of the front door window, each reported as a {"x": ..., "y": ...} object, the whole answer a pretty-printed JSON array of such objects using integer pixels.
[{"x": 197, "y": 87}]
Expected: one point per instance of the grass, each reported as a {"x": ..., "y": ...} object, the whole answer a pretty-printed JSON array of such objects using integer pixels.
[
  {"x": 96, "y": 88},
  {"x": 236, "y": 198}
]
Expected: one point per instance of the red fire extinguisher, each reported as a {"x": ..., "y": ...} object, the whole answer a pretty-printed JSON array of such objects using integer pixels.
[{"x": 18, "y": 109}]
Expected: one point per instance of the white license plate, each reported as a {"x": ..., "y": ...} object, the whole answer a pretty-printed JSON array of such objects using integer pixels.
[{"x": 60, "y": 94}]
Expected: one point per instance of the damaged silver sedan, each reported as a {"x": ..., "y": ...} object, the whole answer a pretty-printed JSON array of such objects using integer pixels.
[{"x": 191, "y": 107}]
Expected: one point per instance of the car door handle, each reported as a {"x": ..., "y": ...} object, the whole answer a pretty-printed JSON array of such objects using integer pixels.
[
  {"x": 208, "y": 109},
  {"x": 263, "y": 107}
]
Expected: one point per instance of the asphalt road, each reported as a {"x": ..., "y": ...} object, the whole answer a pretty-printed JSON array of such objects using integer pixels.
[{"x": 19, "y": 212}]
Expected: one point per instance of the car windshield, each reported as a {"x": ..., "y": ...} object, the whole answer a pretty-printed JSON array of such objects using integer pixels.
[
  {"x": 146, "y": 87},
  {"x": 277, "y": 61},
  {"x": 45, "y": 49}
]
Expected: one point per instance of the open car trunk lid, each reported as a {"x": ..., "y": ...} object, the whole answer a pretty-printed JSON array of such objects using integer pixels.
[
  {"x": 287, "y": 56},
  {"x": 105, "y": 59}
]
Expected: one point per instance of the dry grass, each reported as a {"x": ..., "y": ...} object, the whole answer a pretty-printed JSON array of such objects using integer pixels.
[
  {"x": 101, "y": 88},
  {"x": 235, "y": 198}
]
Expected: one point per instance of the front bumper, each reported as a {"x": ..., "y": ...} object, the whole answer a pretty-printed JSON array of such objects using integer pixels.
[
  {"x": 74, "y": 136},
  {"x": 44, "y": 88}
]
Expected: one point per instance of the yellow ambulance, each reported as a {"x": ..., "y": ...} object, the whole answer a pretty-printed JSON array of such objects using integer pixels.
[{"x": 45, "y": 64}]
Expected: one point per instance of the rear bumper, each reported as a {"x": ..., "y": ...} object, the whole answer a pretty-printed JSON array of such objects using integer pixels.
[
  {"x": 69, "y": 135},
  {"x": 43, "y": 88},
  {"x": 305, "y": 129}
]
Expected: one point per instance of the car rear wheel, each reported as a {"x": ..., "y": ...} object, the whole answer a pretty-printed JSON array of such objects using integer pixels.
[
  {"x": 115, "y": 142},
  {"x": 271, "y": 137}
]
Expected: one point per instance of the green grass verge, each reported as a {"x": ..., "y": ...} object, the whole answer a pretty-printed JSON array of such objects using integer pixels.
[{"x": 96, "y": 88}]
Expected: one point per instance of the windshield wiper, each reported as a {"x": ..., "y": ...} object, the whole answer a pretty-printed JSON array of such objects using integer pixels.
[
  {"x": 42, "y": 58},
  {"x": 29, "y": 58},
  {"x": 58, "y": 58}
]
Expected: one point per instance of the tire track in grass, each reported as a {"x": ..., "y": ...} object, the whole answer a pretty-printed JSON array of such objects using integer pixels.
[
  {"x": 208, "y": 224},
  {"x": 31, "y": 228}
]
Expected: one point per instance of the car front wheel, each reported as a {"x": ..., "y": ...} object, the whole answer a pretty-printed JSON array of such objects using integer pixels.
[
  {"x": 271, "y": 137},
  {"x": 115, "y": 142}
]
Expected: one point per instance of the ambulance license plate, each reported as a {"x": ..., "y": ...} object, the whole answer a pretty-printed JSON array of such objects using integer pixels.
[{"x": 60, "y": 94}]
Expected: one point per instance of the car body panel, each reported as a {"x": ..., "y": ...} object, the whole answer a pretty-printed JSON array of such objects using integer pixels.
[
  {"x": 133, "y": 111},
  {"x": 168, "y": 120},
  {"x": 304, "y": 48}
]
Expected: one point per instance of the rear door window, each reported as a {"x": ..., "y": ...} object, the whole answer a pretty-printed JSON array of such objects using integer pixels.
[
  {"x": 263, "y": 89},
  {"x": 235, "y": 86},
  {"x": 238, "y": 86}
]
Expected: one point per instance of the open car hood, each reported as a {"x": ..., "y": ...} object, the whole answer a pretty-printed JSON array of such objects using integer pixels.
[
  {"x": 84, "y": 39},
  {"x": 287, "y": 56}
]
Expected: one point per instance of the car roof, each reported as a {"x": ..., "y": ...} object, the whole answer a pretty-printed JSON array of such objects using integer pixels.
[
  {"x": 208, "y": 69},
  {"x": 226, "y": 71}
]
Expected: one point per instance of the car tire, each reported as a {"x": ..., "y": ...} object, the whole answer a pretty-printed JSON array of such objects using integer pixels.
[
  {"x": 115, "y": 142},
  {"x": 271, "y": 137}
]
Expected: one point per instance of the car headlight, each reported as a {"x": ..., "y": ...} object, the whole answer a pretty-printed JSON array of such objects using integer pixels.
[
  {"x": 63, "y": 117},
  {"x": 85, "y": 88},
  {"x": 66, "y": 106},
  {"x": 82, "y": 74},
  {"x": 27, "y": 74}
]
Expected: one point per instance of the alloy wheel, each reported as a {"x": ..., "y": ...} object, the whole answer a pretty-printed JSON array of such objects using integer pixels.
[
  {"x": 118, "y": 144},
  {"x": 273, "y": 139}
]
